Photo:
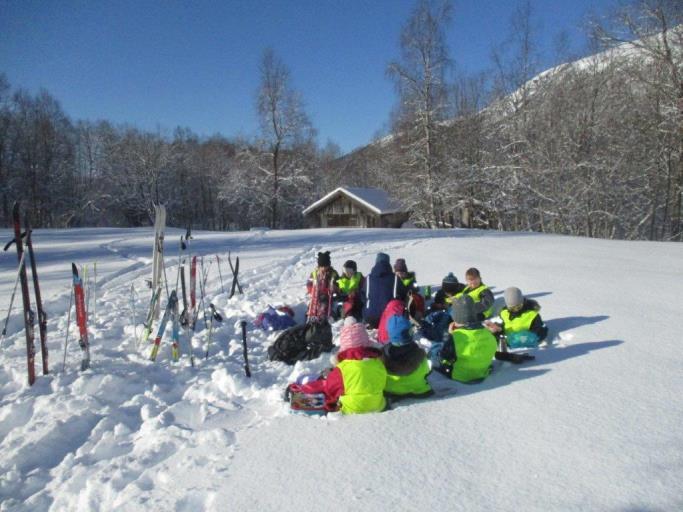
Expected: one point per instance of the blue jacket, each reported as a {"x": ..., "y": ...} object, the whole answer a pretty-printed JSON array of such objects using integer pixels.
[{"x": 378, "y": 290}]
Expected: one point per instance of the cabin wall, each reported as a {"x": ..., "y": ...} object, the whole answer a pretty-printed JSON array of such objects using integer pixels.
[{"x": 344, "y": 212}]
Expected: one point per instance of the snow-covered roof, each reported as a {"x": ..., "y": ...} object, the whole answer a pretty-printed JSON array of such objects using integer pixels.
[{"x": 374, "y": 199}]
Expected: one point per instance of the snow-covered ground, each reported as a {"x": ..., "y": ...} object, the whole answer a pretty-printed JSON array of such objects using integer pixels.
[{"x": 594, "y": 423}]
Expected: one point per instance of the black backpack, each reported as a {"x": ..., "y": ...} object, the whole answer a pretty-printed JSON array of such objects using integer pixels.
[{"x": 302, "y": 342}]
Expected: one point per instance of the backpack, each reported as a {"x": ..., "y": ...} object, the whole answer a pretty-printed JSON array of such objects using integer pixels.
[
  {"x": 275, "y": 320},
  {"x": 301, "y": 343},
  {"x": 522, "y": 339},
  {"x": 394, "y": 307}
]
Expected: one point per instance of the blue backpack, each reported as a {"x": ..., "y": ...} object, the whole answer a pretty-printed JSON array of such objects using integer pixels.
[
  {"x": 522, "y": 339},
  {"x": 273, "y": 320}
]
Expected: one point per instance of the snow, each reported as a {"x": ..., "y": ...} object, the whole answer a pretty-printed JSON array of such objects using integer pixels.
[{"x": 592, "y": 424}]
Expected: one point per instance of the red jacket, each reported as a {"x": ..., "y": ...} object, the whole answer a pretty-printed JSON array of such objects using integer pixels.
[{"x": 333, "y": 386}]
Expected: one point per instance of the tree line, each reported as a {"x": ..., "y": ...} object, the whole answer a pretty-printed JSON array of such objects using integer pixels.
[{"x": 591, "y": 148}]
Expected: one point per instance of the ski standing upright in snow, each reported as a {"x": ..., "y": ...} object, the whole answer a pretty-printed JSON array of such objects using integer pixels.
[
  {"x": 81, "y": 317},
  {"x": 175, "y": 333},
  {"x": 26, "y": 299},
  {"x": 42, "y": 316},
  {"x": 149, "y": 319},
  {"x": 170, "y": 306},
  {"x": 184, "y": 321},
  {"x": 193, "y": 291},
  {"x": 158, "y": 250}
]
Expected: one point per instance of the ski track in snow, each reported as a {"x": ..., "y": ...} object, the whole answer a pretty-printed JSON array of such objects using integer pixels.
[
  {"x": 122, "y": 422},
  {"x": 118, "y": 435}
]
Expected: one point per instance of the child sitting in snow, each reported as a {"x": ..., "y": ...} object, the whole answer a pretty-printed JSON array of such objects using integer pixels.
[
  {"x": 449, "y": 288},
  {"x": 406, "y": 363},
  {"x": 356, "y": 384},
  {"x": 380, "y": 286},
  {"x": 348, "y": 286},
  {"x": 521, "y": 322},
  {"x": 405, "y": 283},
  {"x": 407, "y": 278},
  {"x": 480, "y": 293},
  {"x": 468, "y": 357},
  {"x": 434, "y": 327}
]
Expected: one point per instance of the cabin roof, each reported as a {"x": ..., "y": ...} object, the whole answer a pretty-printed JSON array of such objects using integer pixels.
[{"x": 374, "y": 199}]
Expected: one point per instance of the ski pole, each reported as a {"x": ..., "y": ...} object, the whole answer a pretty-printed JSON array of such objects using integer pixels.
[
  {"x": 11, "y": 300},
  {"x": 218, "y": 318},
  {"x": 180, "y": 247},
  {"x": 68, "y": 324},
  {"x": 208, "y": 341},
  {"x": 156, "y": 295},
  {"x": 201, "y": 290},
  {"x": 163, "y": 265},
  {"x": 244, "y": 348},
  {"x": 86, "y": 287},
  {"x": 202, "y": 286},
  {"x": 218, "y": 263}
]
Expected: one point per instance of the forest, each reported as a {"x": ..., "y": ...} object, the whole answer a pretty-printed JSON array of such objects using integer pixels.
[{"x": 591, "y": 147}]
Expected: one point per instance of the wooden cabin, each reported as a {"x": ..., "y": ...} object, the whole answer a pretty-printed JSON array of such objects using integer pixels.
[{"x": 357, "y": 208}]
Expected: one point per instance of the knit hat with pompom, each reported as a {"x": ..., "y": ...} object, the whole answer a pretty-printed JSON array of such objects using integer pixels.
[{"x": 353, "y": 336}]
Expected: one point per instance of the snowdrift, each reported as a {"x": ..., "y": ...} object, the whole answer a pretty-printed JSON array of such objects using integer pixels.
[{"x": 592, "y": 424}]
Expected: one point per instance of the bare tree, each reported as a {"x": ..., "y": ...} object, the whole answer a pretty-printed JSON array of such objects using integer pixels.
[
  {"x": 420, "y": 78},
  {"x": 654, "y": 28},
  {"x": 286, "y": 134}
]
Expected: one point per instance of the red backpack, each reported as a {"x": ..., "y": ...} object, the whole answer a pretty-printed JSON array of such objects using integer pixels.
[{"x": 394, "y": 307}]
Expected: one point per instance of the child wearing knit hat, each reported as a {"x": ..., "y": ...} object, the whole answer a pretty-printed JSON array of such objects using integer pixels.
[
  {"x": 407, "y": 281},
  {"x": 468, "y": 354},
  {"x": 521, "y": 324},
  {"x": 356, "y": 384},
  {"x": 449, "y": 288},
  {"x": 406, "y": 363},
  {"x": 321, "y": 286}
]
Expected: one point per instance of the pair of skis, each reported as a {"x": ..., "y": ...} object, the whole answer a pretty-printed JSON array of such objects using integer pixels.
[
  {"x": 235, "y": 271},
  {"x": 29, "y": 315},
  {"x": 171, "y": 313}
]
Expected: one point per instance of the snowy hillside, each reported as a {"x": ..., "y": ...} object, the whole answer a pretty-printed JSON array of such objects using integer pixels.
[{"x": 594, "y": 423}]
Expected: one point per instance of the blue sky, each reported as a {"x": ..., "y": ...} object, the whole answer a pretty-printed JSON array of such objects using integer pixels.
[{"x": 164, "y": 64}]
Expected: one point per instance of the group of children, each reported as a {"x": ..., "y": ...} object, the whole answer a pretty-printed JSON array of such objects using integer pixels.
[{"x": 465, "y": 340}]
